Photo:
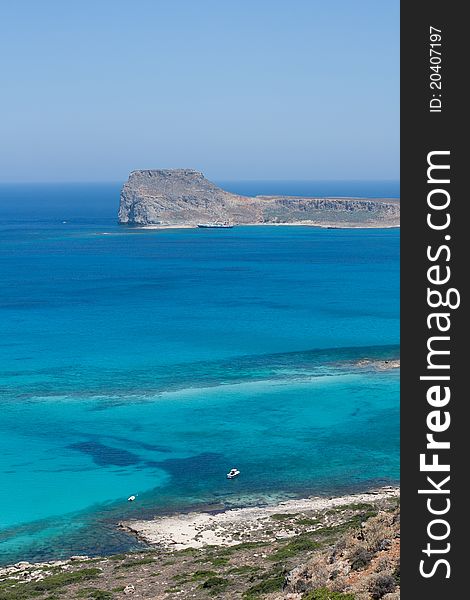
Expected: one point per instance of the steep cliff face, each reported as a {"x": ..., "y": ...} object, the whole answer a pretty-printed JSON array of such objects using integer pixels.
[{"x": 185, "y": 197}]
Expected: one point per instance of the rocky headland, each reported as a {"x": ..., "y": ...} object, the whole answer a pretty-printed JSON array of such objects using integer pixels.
[{"x": 185, "y": 198}]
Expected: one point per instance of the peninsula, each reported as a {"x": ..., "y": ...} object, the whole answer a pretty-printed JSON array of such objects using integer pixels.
[
  {"x": 185, "y": 198},
  {"x": 343, "y": 548}
]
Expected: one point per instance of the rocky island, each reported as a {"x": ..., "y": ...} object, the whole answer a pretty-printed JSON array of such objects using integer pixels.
[{"x": 185, "y": 198}]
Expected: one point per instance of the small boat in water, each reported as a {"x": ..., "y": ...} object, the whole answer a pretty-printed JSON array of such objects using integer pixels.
[
  {"x": 215, "y": 225},
  {"x": 233, "y": 473}
]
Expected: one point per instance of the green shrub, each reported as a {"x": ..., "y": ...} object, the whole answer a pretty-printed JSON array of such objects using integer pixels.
[
  {"x": 181, "y": 577},
  {"x": 326, "y": 594},
  {"x": 216, "y": 584},
  {"x": 360, "y": 558},
  {"x": 273, "y": 582},
  {"x": 334, "y": 531},
  {"x": 198, "y": 575},
  {"x": 24, "y": 591},
  {"x": 295, "y": 546},
  {"x": 381, "y": 585},
  {"x": 243, "y": 570},
  {"x": 100, "y": 595},
  {"x": 219, "y": 561},
  {"x": 357, "y": 506}
]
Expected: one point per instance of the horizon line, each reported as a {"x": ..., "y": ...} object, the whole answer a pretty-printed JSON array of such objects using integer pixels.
[{"x": 119, "y": 181}]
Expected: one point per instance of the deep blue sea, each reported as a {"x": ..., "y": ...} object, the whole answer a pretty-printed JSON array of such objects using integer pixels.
[{"x": 151, "y": 362}]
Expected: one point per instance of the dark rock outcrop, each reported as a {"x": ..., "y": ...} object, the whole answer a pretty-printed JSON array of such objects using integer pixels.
[{"x": 176, "y": 197}]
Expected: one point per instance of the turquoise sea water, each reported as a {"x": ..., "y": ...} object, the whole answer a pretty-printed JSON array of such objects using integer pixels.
[{"x": 151, "y": 362}]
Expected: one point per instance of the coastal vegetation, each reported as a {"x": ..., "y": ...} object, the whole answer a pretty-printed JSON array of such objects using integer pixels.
[
  {"x": 348, "y": 552},
  {"x": 12, "y": 589}
]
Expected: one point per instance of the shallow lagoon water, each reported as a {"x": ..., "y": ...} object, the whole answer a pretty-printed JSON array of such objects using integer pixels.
[{"x": 151, "y": 362}]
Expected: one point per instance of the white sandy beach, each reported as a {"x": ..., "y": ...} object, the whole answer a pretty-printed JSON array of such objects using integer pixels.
[{"x": 195, "y": 530}]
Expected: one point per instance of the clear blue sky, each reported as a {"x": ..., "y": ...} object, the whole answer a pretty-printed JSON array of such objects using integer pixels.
[{"x": 248, "y": 89}]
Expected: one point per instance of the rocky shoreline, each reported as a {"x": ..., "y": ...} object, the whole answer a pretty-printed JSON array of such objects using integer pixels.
[
  {"x": 230, "y": 527},
  {"x": 344, "y": 548}
]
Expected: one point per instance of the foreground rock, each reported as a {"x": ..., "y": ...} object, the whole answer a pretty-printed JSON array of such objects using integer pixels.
[{"x": 184, "y": 198}]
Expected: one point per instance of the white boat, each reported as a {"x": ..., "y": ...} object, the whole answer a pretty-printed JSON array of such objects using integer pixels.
[
  {"x": 233, "y": 473},
  {"x": 215, "y": 225}
]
